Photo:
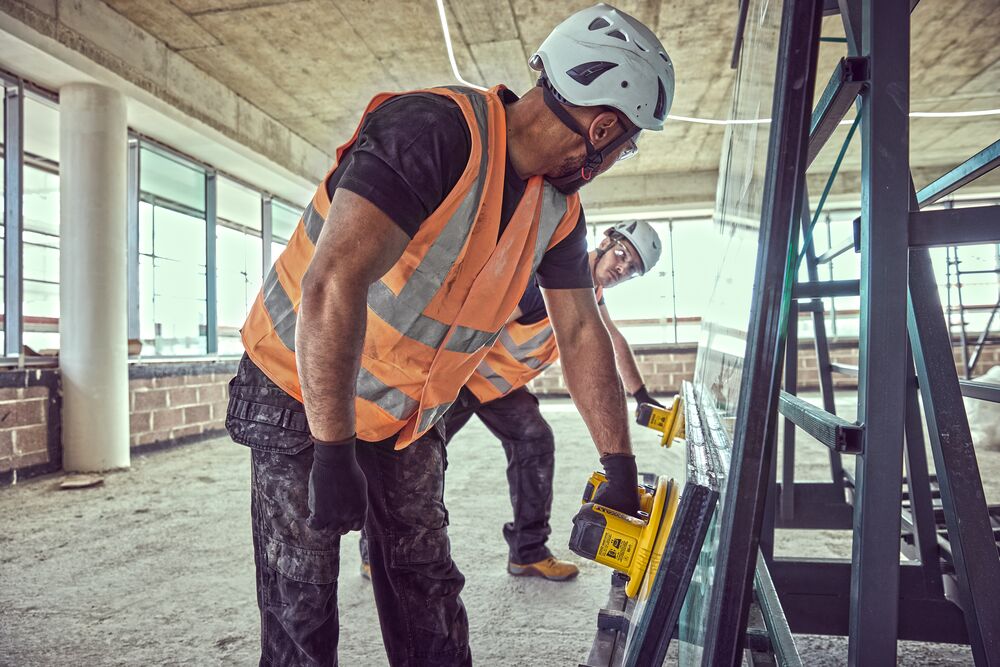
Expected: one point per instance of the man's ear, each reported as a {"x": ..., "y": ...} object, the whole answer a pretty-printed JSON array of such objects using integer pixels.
[
  {"x": 602, "y": 128},
  {"x": 606, "y": 242}
]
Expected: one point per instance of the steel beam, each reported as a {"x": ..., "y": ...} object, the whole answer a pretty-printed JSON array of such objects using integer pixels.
[
  {"x": 266, "y": 234},
  {"x": 970, "y": 533},
  {"x": 981, "y": 163},
  {"x": 830, "y": 430},
  {"x": 791, "y": 385},
  {"x": 848, "y": 78},
  {"x": 822, "y": 289},
  {"x": 874, "y": 620},
  {"x": 211, "y": 272},
  {"x": 984, "y": 391},
  {"x": 743, "y": 511},
  {"x": 838, "y": 249},
  {"x": 820, "y": 342},
  {"x": 13, "y": 174},
  {"x": 780, "y": 635},
  {"x": 132, "y": 239},
  {"x": 955, "y": 226}
]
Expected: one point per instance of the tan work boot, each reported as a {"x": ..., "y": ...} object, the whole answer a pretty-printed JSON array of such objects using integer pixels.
[
  {"x": 551, "y": 568},
  {"x": 366, "y": 571}
]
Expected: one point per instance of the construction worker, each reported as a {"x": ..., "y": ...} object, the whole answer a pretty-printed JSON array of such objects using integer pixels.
[
  {"x": 497, "y": 394},
  {"x": 400, "y": 275}
]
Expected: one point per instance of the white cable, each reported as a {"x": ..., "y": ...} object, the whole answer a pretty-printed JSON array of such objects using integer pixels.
[
  {"x": 451, "y": 52},
  {"x": 692, "y": 119}
]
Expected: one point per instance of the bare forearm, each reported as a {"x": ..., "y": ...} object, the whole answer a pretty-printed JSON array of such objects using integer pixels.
[
  {"x": 329, "y": 337},
  {"x": 627, "y": 366},
  {"x": 593, "y": 382}
]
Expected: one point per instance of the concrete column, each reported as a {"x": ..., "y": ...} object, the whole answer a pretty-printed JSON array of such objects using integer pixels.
[{"x": 93, "y": 355}]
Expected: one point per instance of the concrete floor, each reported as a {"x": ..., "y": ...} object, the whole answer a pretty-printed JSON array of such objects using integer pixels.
[{"x": 154, "y": 566}]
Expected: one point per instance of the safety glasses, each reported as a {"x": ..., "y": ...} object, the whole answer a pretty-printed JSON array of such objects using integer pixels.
[{"x": 633, "y": 267}]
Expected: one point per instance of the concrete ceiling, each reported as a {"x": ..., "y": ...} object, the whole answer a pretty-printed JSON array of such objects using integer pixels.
[{"x": 313, "y": 64}]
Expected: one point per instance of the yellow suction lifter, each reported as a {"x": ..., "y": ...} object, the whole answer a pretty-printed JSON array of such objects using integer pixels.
[
  {"x": 626, "y": 543},
  {"x": 668, "y": 421}
]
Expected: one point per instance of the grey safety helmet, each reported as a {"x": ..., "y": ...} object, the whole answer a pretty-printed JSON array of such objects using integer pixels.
[
  {"x": 643, "y": 238},
  {"x": 603, "y": 57}
]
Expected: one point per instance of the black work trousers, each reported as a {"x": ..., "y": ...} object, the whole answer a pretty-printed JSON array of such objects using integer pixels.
[
  {"x": 415, "y": 581},
  {"x": 528, "y": 442}
]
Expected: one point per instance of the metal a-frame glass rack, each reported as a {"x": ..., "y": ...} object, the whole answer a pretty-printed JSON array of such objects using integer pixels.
[{"x": 944, "y": 586}]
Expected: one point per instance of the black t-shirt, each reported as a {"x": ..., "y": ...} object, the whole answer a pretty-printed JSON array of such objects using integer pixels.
[
  {"x": 532, "y": 305},
  {"x": 409, "y": 155}
]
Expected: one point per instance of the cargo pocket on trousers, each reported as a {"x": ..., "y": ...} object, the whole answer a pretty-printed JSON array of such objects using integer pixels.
[
  {"x": 426, "y": 546},
  {"x": 267, "y": 419},
  {"x": 307, "y": 566}
]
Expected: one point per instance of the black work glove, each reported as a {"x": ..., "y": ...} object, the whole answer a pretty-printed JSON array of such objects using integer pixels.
[
  {"x": 642, "y": 396},
  {"x": 338, "y": 491},
  {"x": 621, "y": 491}
]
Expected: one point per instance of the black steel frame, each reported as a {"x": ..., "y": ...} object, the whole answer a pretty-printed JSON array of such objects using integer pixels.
[{"x": 944, "y": 590}]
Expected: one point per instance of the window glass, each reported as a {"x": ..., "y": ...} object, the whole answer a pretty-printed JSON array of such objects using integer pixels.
[
  {"x": 168, "y": 178},
  {"x": 41, "y": 259},
  {"x": 238, "y": 260},
  {"x": 172, "y": 301},
  {"x": 283, "y": 222},
  {"x": 41, "y": 128},
  {"x": 236, "y": 204}
]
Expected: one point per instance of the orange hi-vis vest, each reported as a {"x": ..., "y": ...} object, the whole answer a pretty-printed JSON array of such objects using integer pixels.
[
  {"x": 435, "y": 314},
  {"x": 520, "y": 355}
]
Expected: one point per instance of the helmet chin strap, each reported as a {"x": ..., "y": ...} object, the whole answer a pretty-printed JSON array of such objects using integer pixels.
[{"x": 595, "y": 158}]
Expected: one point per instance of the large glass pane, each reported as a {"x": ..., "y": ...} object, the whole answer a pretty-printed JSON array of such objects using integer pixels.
[
  {"x": 237, "y": 204},
  {"x": 172, "y": 301},
  {"x": 238, "y": 258},
  {"x": 283, "y": 222},
  {"x": 41, "y": 129},
  {"x": 41, "y": 258},
  {"x": 165, "y": 177}
]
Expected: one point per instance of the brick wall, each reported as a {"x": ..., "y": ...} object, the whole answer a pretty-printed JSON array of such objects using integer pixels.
[
  {"x": 29, "y": 422},
  {"x": 178, "y": 402},
  {"x": 169, "y": 402}
]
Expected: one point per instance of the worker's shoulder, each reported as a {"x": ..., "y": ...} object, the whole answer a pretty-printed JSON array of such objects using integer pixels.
[{"x": 423, "y": 107}]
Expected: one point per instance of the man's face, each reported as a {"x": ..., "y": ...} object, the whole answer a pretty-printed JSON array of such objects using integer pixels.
[
  {"x": 620, "y": 263},
  {"x": 604, "y": 129}
]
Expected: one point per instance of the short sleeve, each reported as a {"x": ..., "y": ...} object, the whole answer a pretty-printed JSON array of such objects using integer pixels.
[
  {"x": 409, "y": 154},
  {"x": 565, "y": 265}
]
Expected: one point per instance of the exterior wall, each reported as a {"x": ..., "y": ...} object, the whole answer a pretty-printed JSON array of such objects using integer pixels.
[
  {"x": 664, "y": 367},
  {"x": 170, "y": 403},
  {"x": 178, "y": 402},
  {"x": 29, "y": 423}
]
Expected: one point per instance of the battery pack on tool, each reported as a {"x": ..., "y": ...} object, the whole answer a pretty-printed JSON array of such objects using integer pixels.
[{"x": 668, "y": 421}]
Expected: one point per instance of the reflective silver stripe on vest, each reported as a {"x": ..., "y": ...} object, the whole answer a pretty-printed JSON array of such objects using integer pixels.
[
  {"x": 528, "y": 346},
  {"x": 390, "y": 399},
  {"x": 554, "y": 206},
  {"x": 494, "y": 378},
  {"x": 467, "y": 339},
  {"x": 404, "y": 312},
  {"x": 279, "y": 309},
  {"x": 313, "y": 222},
  {"x": 429, "y": 416}
]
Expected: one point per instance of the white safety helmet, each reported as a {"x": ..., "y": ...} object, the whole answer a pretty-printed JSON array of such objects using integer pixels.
[
  {"x": 643, "y": 238},
  {"x": 603, "y": 57}
]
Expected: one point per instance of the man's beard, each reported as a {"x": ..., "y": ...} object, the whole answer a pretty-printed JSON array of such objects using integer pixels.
[{"x": 569, "y": 179}]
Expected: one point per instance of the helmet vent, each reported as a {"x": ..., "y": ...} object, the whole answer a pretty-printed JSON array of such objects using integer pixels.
[
  {"x": 642, "y": 48},
  {"x": 618, "y": 34},
  {"x": 660, "y": 111},
  {"x": 585, "y": 73},
  {"x": 598, "y": 23},
  {"x": 665, "y": 58}
]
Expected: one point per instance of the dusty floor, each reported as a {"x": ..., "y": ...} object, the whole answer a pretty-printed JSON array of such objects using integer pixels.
[{"x": 153, "y": 567}]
